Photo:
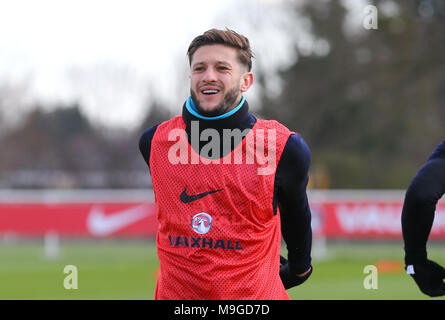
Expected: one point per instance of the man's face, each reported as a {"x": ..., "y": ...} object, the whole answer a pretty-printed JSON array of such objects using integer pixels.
[{"x": 217, "y": 79}]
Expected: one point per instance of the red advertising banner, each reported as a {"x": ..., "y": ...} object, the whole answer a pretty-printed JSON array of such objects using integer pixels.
[
  {"x": 363, "y": 215},
  {"x": 87, "y": 219},
  {"x": 366, "y": 219}
]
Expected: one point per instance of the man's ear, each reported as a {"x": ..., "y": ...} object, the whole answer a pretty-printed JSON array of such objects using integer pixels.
[{"x": 246, "y": 81}]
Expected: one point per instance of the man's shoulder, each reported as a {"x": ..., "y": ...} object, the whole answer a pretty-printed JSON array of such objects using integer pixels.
[
  {"x": 150, "y": 132},
  {"x": 296, "y": 148},
  {"x": 145, "y": 143},
  {"x": 273, "y": 124},
  {"x": 439, "y": 152},
  {"x": 434, "y": 168},
  {"x": 295, "y": 160}
]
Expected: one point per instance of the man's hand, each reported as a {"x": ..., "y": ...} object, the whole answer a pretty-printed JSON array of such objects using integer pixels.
[
  {"x": 429, "y": 277},
  {"x": 289, "y": 278}
]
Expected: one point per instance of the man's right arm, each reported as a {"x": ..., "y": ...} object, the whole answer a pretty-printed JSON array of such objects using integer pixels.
[{"x": 145, "y": 144}]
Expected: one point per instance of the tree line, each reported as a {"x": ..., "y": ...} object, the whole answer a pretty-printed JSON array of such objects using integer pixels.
[{"x": 370, "y": 104}]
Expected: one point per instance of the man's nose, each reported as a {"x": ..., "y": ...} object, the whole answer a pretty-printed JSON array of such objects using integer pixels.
[{"x": 209, "y": 75}]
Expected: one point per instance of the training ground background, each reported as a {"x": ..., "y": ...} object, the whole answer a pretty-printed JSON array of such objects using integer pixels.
[{"x": 127, "y": 269}]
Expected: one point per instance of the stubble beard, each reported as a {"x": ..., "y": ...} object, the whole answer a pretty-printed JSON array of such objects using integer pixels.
[{"x": 227, "y": 103}]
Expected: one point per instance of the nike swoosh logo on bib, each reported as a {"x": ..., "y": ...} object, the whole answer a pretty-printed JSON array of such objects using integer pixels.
[{"x": 184, "y": 197}]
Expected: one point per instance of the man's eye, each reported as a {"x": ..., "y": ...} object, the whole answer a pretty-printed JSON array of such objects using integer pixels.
[
  {"x": 223, "y": 68},
  {"x": 198, "y": 69}
]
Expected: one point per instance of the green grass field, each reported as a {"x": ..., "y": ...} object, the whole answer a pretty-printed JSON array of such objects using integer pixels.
[{"x": 127, "y": 270}]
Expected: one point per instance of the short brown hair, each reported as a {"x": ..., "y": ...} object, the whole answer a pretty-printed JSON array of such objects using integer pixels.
[{"x": 225, "y": 37}]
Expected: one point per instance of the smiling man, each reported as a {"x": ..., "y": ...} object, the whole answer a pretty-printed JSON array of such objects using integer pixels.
[
  {"x": 221, "y": 218},
  {"x": 218, "y": 79}
]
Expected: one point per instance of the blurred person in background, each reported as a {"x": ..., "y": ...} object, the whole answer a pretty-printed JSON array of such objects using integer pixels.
[
  {"x": 425, "y": 190},
  {"x": 220, "y": 222}
]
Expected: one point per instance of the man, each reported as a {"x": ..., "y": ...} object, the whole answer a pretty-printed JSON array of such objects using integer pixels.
[
  {"x": 224, "y": 183},
  {"x": 419, "y": 207}
]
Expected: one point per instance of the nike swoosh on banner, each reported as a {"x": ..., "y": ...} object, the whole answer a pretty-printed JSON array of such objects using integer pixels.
[
  {"x": 184, "y": 197},
  {"x": 100, "y": 224}
]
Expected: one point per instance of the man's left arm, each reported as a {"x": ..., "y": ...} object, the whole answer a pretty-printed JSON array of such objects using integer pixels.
[
  {"x": 290, "y": 195},
  {"x": 418, "y": 212}
]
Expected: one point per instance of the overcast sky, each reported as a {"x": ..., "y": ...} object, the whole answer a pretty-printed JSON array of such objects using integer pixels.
[{"x": 112, "y": 55}]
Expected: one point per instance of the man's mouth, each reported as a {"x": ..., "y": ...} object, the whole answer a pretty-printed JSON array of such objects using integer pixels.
[{"x": 210, "y": 91}]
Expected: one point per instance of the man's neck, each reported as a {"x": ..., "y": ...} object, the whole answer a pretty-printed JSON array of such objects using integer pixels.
[
  {"x": 190, "y": 105},
  {"x": 238, "y": 118}
]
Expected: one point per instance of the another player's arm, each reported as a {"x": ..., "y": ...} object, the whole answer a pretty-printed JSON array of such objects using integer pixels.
[
  {"x": 418, "y": 212},
  {"x": 290, "y": 194}
]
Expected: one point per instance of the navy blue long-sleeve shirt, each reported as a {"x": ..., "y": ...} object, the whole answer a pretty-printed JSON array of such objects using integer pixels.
[
  {"x": 419, "y": 207},
  {"x": 291, "y": 179}
]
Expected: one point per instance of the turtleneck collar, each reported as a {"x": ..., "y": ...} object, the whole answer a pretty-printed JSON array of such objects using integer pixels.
[
  {"x": 190, "y": 105},
  {"x": 239, "y": 117}
]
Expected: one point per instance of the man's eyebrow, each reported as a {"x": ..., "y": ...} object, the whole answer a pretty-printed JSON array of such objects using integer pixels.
[
  {"x": 217, "y": 62},
  {"x": 198, "y": 63},
  {"x": 223, "y": 62}
]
